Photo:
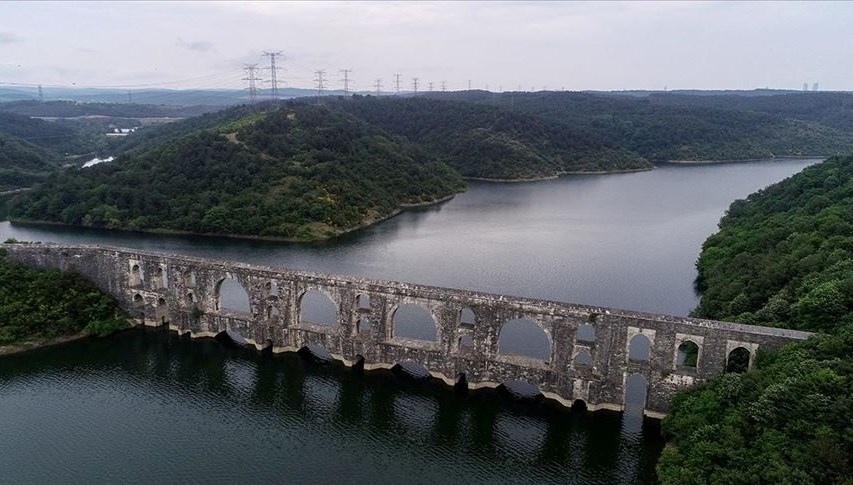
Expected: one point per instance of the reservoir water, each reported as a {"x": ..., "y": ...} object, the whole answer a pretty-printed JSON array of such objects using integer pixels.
[{"x": 149, "y": 406}]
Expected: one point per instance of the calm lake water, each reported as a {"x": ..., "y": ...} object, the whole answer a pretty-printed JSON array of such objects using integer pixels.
[{"x": 149, "y": 406}]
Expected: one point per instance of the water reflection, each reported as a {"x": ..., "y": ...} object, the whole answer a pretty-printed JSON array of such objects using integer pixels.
[{"x": 267, "y": 417}]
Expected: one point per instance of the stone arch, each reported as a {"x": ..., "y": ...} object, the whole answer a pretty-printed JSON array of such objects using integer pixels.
[
  {"x": 232, "y": 295},
  {"x": 138, "y": 300},
  {"x": 636, "y": 392},
  {"x": 738, "y": 360},
  {"x": 583, "y": 358},
  {"x": 271, "y": 288},
  {"x": 413, "y": 321},
  {"x": 160, "y": 278},
  {"x": 687, "y": 354},
  {"x": 521, "y": 389},
  {"x": 411, "y": 368},
  {"x": 639, "y": 348},
  {"x": 317, "y": 308},
  {"x": 362, "y": 301},
  {"x": 524, "y": 337},
  {"x": 273, "y": 313},
  {"x": 189, "y": 279},
  {"x": 190, "y": 298},
  {"x": 585, "y": 333},
  {"x": 136, "y": 276},
  {"x": 162, "y": 311}
]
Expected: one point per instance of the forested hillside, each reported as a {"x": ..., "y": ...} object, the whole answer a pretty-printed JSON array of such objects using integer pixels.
[
  {"x": 830, "y": 109},
  {"x": 37, "y": 305},
  {"x": 298, "y": 172},
  {"x": 490, "y": 142},
  {"x": 662, "y": 132},
  {"x": 783, "y": 257}
]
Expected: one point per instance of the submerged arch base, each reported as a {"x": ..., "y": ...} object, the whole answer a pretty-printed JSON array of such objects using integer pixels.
[{"x": 449, "y": 381}]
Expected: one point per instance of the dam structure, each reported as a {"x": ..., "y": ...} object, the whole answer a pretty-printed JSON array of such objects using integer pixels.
[{"x": 592, "y": 354}]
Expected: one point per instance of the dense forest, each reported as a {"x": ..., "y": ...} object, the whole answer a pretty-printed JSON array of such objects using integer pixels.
[
  {"x": 37, "y": 305},
  {"x": 783, "y": 257},
  {"x": 489, "y": 142},
  {"x": 298, "y": 172},
  {"x": 675, "y": 131}
]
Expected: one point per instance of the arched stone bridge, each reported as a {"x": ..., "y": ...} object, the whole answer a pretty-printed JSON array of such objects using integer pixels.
[{"x": 591, "y": 350}]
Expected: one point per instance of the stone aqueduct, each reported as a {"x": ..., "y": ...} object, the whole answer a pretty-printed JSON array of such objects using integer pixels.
[{"x": 183, "y": 292}]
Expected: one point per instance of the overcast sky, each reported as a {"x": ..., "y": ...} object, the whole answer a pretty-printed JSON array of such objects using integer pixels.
[{"x": 576, "y": 46}]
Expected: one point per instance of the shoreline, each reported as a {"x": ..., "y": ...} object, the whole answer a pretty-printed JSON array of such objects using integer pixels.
[
  {"x": 558, "y": 175},
  {"x": 29, "y": 345},
  {"x": 176, "y": 232},
  {"x": 747, "y": 160}
]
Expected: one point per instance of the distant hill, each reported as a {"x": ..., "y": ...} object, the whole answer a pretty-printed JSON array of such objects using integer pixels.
[
  {"x": 297, "y": 171},
  {"x": 490, "y": 142},
  {"x": 676, "y": 130},
  {"x": 30, "y": 148},
  {"x": 70, "y": 109}
]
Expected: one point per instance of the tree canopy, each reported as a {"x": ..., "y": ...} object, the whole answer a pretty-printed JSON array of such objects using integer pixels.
[{"x": 783, "y": 257}]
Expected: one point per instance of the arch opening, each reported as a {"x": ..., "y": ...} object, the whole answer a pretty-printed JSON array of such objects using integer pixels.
[
  {"x": 687, "y": 354},
  {"x": 272, "y": 288},
  {"x": 524, "y": 337},
  {"x": 316, "y": 308},
  {"x": 738, "y": 360},
  {"x": 412, "y": 369},
  {"x": 461, "y": 383},
  {"x": 190, "y": 298},
  {"x": 316, "y": 352},
  {"x": 231, "y": 338},
  {"x": 414, "y": 322},
  {"x": 362, "y": 302},
  {"x": 520, "y": 389},
  {"x": 135, "y": 275},
  {"x": 230, "y": 295},
  {"x": 579, "y": 405},
  {"x": 640, "y": 348},
  {"x": 585, "y": 333},
  {"x": 162, "y": 311},
  {"x": 583, "y": 359},
  {"x": 160, "y": 279},
  {"x": 636, "y": 391},
  {"x": 189, "y": 279},
  {"x": 467, "y": 317},
  {"x": 466, "y": 342},
  {"x": 273, "y": 312},
  {"x": 363, "y": 326}
]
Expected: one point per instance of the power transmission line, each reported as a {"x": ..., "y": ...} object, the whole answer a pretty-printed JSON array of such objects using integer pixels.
[
  {"x": 273, "y": 69},
  {"x": 250, "y": 76},
  {"x": 397, "y": 82},
  {"x": 443, "y": 86},
  {"x": 430, "y": 86},
  {"x": 41, "y": 94},
  {"x": 415, "y": 83},
  {"x": 378, "y": 86},
  {"x": 321, "y": 82},
  {"x": 346, "y": 80}
]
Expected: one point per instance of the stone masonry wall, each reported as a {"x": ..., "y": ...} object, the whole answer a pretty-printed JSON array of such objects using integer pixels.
[{"x": 183, "y": 292}]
